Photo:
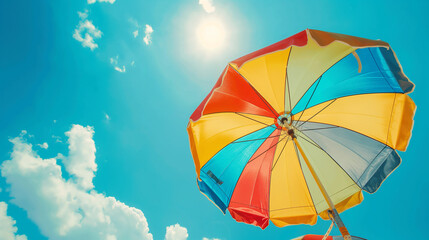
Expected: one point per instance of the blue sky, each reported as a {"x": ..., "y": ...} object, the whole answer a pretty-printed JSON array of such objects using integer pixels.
[{"x": 55, "y": 83}]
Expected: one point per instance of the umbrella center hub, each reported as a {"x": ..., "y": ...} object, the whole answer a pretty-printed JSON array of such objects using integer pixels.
[{"x": 284, "y": 120}]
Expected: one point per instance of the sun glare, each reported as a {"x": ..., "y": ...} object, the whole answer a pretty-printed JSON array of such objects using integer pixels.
[{"x": 211, "y": 34}]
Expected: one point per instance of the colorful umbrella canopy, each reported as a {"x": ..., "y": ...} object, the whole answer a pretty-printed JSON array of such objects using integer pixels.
[{"x": 311, "y": 120}]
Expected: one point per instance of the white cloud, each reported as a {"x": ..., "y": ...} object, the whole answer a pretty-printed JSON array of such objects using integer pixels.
[
  {"x": 204, "y": 238},
  {"x": 55, "y": 121},
  {"x": 81, "y": 160},
  {"x": 132, "y": 63},
  {"x": 122, "y": 70},
  {"x": 148, "y": 34},
  {"x": 83, "y": 15},
  {"x": 207, "y": 5},
  {"x": 57, "y": 139},
  {"x": 69, "y": 208},
  {"x": 176, "y": 232},
  {"x": 148, "y": 30},
  {"x": 107, "y": 116},
  {"x": 114, "y": 62},
  {"x": 85, "y": 32},
  {"x": 93, "y": 1},
  {"x": 7, "y": 228},
  {"x": 44, "y": 145}
]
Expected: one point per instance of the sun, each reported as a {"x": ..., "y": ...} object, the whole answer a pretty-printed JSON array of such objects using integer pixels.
[{"x": 211, "y": 34}]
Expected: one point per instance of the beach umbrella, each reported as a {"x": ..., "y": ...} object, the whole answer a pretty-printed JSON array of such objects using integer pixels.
[{"x": 300, "y": 128}]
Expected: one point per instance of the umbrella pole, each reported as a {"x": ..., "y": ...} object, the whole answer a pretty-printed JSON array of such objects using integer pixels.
[{"x": 333, "y": 210}]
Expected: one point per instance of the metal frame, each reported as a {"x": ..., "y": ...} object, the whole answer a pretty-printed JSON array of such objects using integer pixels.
[{"x": 344, "y": 232}]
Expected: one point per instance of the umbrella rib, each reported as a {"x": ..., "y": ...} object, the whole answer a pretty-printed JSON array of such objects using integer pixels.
[
  {"x": 249, "y": 205},
  {"x": 318, "y": 78},
  {"x": 310, "y": 129},
  {"x": 369, "y": 164},
  {"x": 257, "y": 93},
  {"x": 332, "y": 101},
  {"x": 228, "y": 145},
  {"x": 380, "y": 70},
  {"x": 259, "y": 138},
  {"x": 252, "y": 159},
  {"x": 314, "y": 144},
  {"x": 275, "y": 163},
  {"x": 316, "y": 113},
  {"x": 306, "y": 105},
  {"x": 292, "y": 208},
  {"x": 337, "y": 126},
  {"x": 390, "y": 120},
  {"x": 242, "y": 173},
  {"x": 317, "y": 145},
  {"x": 287, "y": 81},
  {"x": 351, "y": 185},
  {"x": 340, "y": 143},
  {"x": 254, "y": 120},
  {"x": 232, "y": 96},
  {"x": 268, "y": 125}
]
